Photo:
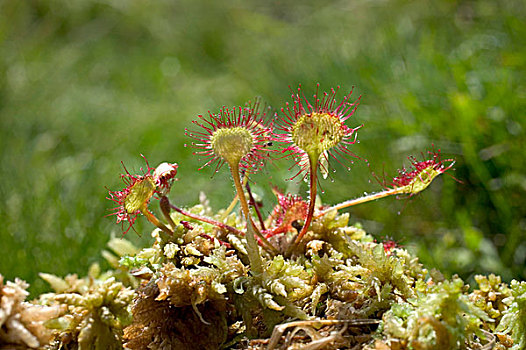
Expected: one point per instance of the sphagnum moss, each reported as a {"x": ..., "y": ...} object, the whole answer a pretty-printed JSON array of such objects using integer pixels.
[{"x": 301, "y": 278}]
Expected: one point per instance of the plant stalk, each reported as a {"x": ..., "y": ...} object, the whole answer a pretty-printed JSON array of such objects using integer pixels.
[
  {"x": 207, "y": 220},
  {"x": 232, "y": 204},
  {"x": 164, "y": 203},
  {"x": 360, "y": 200},
  {"x": 234, "y": 169},
  {"x": 312, "y": 198},
  {"x": 153, "y": 219},
  {"x": 255, "y": 206}
]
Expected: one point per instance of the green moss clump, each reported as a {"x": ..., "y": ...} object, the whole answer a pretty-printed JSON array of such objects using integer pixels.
[
  {"x": 513, "y": 320},
  {"x": 95, "y": 313},
  {"x": 340, "y": 289}
]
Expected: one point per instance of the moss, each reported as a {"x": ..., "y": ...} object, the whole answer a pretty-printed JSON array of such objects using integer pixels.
[
  {"x": 159, "y": 325},
  {"x": 513, "y": 321},
  {"x": 194, "y": 290},
  {"x": 22, "y": 324},
  {"x": 96, "y": 312}
]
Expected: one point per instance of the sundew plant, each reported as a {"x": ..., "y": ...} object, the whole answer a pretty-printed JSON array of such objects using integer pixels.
[{"x": 299, "y": 278}]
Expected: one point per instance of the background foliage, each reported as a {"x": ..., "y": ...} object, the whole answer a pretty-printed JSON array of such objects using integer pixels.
[{"x": 87, "y": 84}]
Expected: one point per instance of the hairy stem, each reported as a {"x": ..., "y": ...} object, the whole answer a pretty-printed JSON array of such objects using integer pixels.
[
  {"x": 361, "y": 200},
  {"x": 312, "y": 198},
  {"x": 232, "y": 204},
  {"x": 234, "y": 169},
  {"x": 240, "y": 193}
]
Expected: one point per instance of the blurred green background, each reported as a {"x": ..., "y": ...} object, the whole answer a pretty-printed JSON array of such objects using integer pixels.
[{"x": 86, "y": 84}]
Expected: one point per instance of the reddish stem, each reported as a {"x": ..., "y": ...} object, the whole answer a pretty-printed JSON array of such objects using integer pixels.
[
  {"x": 255, "y": 206},
  {"x": 164, "y": 203},
  {"x": 312, "y": 200},
  {"x": 207, "y": 220}
]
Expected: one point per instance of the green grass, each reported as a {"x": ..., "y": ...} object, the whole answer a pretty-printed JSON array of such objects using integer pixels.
[{"x": 88, "y": 84}]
